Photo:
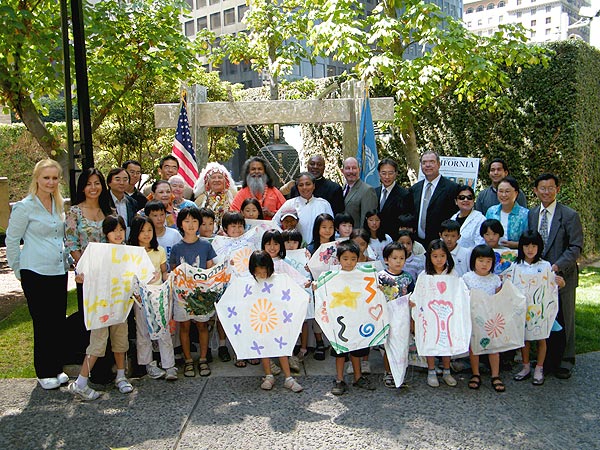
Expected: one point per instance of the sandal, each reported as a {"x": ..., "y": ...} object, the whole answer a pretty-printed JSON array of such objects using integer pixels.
[
  {"x": 254, "y": 362},
  {"x": 123, "y": 385},
  {"x": 188, "y": 369},
  {"x": 498, "y": 385},
  {"x": 203, "y": 368},
  {"x": 240, "y": 363},
  {"x": 224, "y": 355},
  {"x": 474, "y": 382}
]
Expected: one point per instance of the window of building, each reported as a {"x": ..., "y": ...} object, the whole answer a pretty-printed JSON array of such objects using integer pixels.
[
  {"x": 519, "y": 13},
  {"x": 241, "y": 11},
  {"x": 501, "y": 4},
  {"x": 469, "y": 11},
  {"x": 330, "y": 71},
  {"x": 548, "y": 19},
  {"x": 229, "y": 16},
  {"x": 201, "y": 23},
  {"x": 213, "y": 2},
  {"x": 533, "y": 23},
  {"x": 500, "y": 19},
  {"x": 532, "y": 1},
  {"x": 215, "y": 21},
  {"x": 189, "y": 28},
  {"x": 548, "y": 9},
  {"x": 469, "y": 24},
  {"x": 533, "y": 33},
  {"x": 532, "y": 11},
  {"x": 200, "y": 4},
  {"x": 490, "y": 6},
  {"x": 480, "y": 8},
  {"x": 548, "y": 31},
  {"x": 190, "y": 3},
  {"x": 479, "y": 22},
  {"x": 519, "y": 2}
]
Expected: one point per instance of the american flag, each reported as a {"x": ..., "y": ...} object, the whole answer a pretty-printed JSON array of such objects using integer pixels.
[{"x": 183, "y": 149}]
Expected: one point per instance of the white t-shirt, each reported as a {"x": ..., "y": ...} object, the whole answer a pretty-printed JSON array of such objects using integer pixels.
[{"x": 167, "y": 241}]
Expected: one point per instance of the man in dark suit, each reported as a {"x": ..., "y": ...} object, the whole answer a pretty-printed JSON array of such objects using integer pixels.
[
  {"x": 117, "y": 181},
  {"x": 561, "y": 230},
  {"x": 432, "y": 199},
  {"x": 359, "y": 197},
  {"x": 324, "y": 188},
  {"x": 134, "y": 169},
  {"x": 392, "y": 197}
]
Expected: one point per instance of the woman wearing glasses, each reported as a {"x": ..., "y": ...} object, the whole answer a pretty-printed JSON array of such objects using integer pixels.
[
  {"x": 469, "y": 218},
  {"x": 511, "y": 215}
]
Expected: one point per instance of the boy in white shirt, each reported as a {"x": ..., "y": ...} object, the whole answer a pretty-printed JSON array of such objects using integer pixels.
[{"x": 450, "y": 234}]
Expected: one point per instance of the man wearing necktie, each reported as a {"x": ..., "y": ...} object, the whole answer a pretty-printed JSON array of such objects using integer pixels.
[
  {"x": 561, "y": 230},
  {"x": 359, "y": 196},
  {"x": 432, "y": 199},
  {"x": 392, "y": 197}
]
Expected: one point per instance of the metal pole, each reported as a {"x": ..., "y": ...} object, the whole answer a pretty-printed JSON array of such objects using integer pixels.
[{"x": 83, "y": 95}]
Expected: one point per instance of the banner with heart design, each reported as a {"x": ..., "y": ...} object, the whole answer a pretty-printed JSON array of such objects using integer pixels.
[
  {"x": 442, "y": 315},
  {"x": 351, "y": 309}
]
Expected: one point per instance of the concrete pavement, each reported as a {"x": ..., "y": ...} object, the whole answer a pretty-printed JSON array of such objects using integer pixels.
[{"x": 229, "y": 410}]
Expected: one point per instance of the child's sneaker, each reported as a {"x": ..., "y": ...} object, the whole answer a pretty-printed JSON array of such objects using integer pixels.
[
  {"x": 154, "y": 371},
  {"x": 62, "y": 378},
  {"x": 275, "y": 369},
  {"x": 294, "y": 364},
  {"x": 388, "y": 380},
  {"x": 268, "y": 382},
  {"x": 365, "y": 367},
  {"x": 432, "y": 379},
  {"x": 349, "y": 369},
  {"x": 339, "y": 387},
  {"x": 123, "y": 385},
  {"x": 363, "y": 383},
  {"x": 86, "y": 393},
  {"x": 171, "y": 374},
  {"x": 292, "y": 385},
  {"x": 448, "y": 379}
]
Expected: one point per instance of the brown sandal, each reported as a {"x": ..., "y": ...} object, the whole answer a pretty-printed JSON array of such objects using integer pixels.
[
  {"x": 474, "y": 382},
  {"x": 498, "y": 385},
  {"x": 240, "y": 363}
]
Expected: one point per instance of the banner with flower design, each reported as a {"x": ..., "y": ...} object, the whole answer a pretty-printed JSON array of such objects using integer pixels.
[
  {"x": 263, "y": 319},
  {"x": 441, "y": 314},
  {"x": 498, "y": 320},
  {"x": 323, "y": 259}
]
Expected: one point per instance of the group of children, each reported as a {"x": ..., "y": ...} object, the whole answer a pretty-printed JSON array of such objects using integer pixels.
[{"x": 404, "y": 261}]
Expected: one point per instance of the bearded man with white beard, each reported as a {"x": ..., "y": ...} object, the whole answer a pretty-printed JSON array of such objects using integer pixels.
[{"x": 258, "y": 184}]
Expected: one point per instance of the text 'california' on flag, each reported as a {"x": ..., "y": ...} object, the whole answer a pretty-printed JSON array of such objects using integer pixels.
[
  {"x": 367, "y": 148},
  {"x": 183, "y": 149}
]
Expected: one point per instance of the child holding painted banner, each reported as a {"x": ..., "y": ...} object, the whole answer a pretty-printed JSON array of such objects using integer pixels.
[
  {"x": 113, "y": 228},
  {"x": 198, "y": 253},
  {"x": 394, "y": 282},
  {"x": 142, "y": 234}
]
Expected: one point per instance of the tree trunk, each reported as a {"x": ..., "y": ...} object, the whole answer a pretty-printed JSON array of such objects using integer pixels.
[
  {"x": 410, "y": 151},
  {"x": 32, "y": 120}
]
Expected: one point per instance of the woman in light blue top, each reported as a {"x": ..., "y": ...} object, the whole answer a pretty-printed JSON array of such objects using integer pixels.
[
  {"x": 511, "y": 215},
  {"x": 38, "y": 219}
]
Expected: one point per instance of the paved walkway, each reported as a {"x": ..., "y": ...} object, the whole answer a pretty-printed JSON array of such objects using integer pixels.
[{"x": 228, "y": 410}]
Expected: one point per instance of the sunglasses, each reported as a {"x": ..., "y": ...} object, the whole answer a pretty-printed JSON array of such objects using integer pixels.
[{"x": 465, "y": 197}]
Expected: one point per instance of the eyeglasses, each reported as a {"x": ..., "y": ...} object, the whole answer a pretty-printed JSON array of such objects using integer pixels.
[{"x": 465, "y": 197}]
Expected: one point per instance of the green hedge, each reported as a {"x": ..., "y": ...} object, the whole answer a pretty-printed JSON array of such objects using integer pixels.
[{"x": 554, "y": 127}]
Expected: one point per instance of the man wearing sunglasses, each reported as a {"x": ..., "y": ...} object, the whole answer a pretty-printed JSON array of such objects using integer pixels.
[{"x": 498, "y": 170}]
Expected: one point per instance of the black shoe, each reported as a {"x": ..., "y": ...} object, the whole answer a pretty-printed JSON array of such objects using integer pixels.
[
  {"x": 224, "y": 354},
  {"x": 563, "y": 373},
  {"x": 209, "y": 357}
]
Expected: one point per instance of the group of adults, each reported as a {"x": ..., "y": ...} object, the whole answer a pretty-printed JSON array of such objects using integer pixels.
[{"x": 49, "y": 237}]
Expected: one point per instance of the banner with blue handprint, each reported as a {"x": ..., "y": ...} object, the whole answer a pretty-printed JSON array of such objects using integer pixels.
[{"x": 263, "y": 318}]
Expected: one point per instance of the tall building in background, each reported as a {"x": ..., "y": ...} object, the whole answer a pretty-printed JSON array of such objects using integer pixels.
[
  {"x": 545, "y": 20},
  {"x": 225, "y": 17}
]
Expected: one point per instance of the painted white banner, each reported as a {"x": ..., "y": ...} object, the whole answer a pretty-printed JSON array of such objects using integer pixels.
[
  {"x": 442, "y": 315},
  {"x": 263, "y": 319},
  {"x": 396, "y": 344},
  {"x": 156, "y": 301},
  {"x": 108, "y": 271},
  {"x": 323, "y": 259}
]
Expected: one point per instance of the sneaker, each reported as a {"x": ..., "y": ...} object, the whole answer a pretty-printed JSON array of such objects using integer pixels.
[
  {"x": 154, "y": 371},
  {"x": 62, "y": 378},
  {"x": 49, "y": 383},
  {"x": 171, "y": 374},
  {"x": 294, "y": 364},
  {"x": 388, "y": 381},
  {"x": 365, "y": 367},
  {"x": 350, "y": 368},
  {"x": 448, "y": 379},
  {"x": 538, "y": 377},
  {"x": 339, "y": 387},
  {"x": 432, "y": 380},
  {"x": 292, "y": 385},
  {"x": 86, "y": 393},
  {"x": 123, "y": 385},
  {"x": 524, "y": 374},
  {"x": 363, "y": 383},
  {"x": 268, "y": 382},
  {"x": 275, "y": 369}
]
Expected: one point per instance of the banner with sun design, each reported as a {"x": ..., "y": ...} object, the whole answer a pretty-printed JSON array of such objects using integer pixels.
[
  {"x": 498, "y": 320},
  {"x": 235, "y": 252},
  {"x": 442, "y": 315},
  {"x": 263, "y": 319},
  {"x": 108, "y": 271},
  {"x": 323, "y": 259},
  {"x": 350, "y": 309}
]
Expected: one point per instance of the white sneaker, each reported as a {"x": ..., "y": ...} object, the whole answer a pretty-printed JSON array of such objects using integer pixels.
[
  {"x": 154, "y": 371},
  {"x": 275, "y": 369},
  {"x": 349, "y": 369},
  {"x": 123, "y": 385},
  {"x": 292, "y": 385},
  {"x": 49, "y": 383},
  {"x": 86, "y": 393},
  {"x": 62, "y": 378},
  {"x": 268, "y": 383},
  {"x": 432, "y": 380},
  {"x": 171, "y": 374},
  {"x": 365, "y": 367},
  {"x": 449, "y": 379}
]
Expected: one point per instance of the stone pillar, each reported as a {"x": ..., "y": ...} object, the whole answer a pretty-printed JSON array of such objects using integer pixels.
[{"x": 352, "y": 90}]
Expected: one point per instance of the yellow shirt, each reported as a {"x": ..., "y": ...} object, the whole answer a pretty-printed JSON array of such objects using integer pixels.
[{"x": 158, "y": 257}]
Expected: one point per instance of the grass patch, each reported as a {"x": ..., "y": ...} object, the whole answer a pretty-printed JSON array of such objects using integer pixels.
[
  {"x": 587, "y": 311},
  {"x": 16, "y": 341}
]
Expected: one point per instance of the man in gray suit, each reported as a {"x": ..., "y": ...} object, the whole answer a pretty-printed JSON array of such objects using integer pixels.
[
  {"x": 359, "y": 197},
  {"x": 562, "y": 233}
]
